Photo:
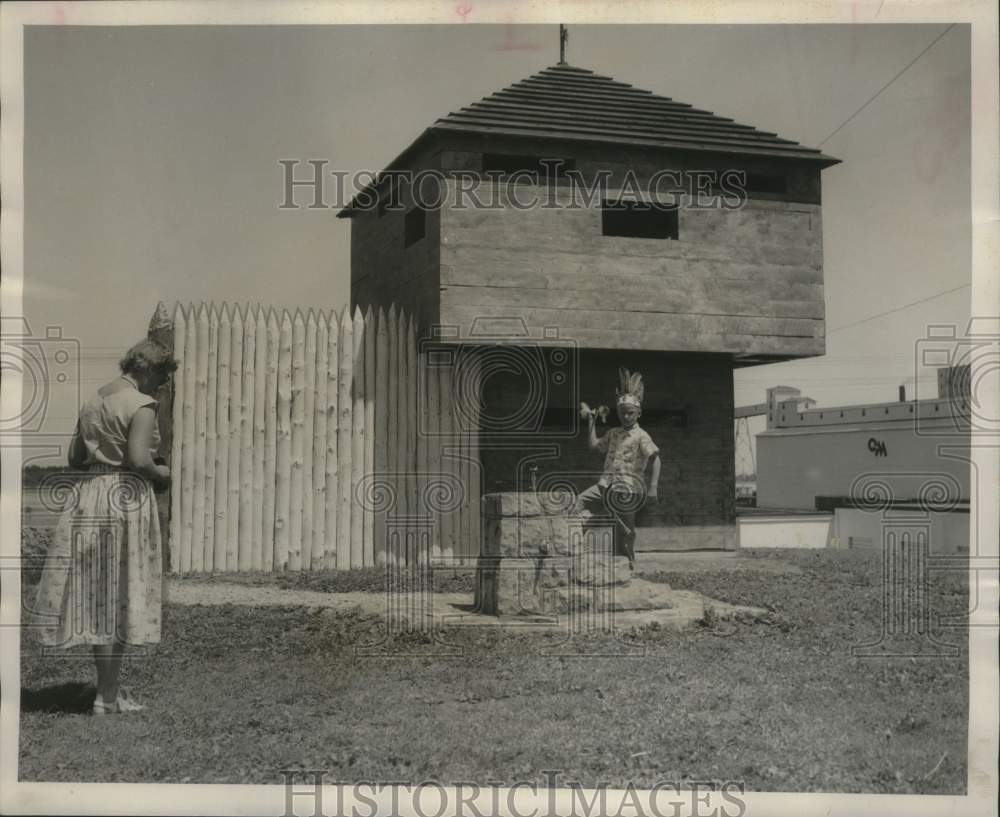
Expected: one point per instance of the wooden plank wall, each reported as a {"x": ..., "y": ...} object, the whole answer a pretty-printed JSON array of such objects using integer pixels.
[
  {"x": 298, "y": 441},
  {"x": 745, "y": 281},
  {"x": 384, "y": 269}
]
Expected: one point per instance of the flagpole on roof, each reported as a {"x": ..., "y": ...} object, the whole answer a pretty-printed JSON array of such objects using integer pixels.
[{"x": 563, "y": 39}]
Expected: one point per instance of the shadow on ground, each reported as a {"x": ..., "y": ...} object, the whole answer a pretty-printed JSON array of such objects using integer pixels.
[{"x": 71, "y": 698}]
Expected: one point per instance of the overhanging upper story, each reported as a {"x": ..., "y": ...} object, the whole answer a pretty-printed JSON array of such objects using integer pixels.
[{"x": 725, "y": 264}]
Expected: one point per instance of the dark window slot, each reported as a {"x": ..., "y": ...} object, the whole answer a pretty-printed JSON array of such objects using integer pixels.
[
  {"x": 629, "y": 219},
  {"x": 764, "y": 183},
  {"x": 414, "y": 226}
]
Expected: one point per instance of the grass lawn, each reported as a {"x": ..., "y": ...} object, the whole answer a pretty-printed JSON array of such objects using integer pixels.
[{"x": 238, "y": 693}]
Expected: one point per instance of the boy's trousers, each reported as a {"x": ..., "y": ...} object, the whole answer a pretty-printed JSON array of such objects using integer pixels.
[{"x": 622, "y": 506}]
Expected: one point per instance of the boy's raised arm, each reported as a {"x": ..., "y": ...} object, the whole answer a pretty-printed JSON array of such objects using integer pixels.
[
  {"x": 592, "y": 433},
  {"x": 594, "y": 442}
]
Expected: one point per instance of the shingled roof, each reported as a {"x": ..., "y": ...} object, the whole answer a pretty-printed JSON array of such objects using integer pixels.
[
  {"x": 569, "y": 103},
  {"x": 563, "y": 102}
]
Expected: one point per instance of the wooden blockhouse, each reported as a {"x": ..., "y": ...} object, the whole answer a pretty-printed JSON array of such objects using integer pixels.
[{"x": 551, "y": 300}]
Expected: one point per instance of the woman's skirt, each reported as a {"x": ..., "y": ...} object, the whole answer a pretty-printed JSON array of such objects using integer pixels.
[{"x": 101, "y": 583}]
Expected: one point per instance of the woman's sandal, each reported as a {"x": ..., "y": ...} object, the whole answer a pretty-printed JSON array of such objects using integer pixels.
[
  {"x": 123, "y": 703},
  {"x": 127, "y": 704}
]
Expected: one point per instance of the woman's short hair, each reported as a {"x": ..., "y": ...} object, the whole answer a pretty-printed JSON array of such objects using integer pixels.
[{"x": 147, "y": 355}]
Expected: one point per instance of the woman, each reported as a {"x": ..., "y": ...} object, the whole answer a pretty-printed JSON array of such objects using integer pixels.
[{"x": 101, "y": 583}]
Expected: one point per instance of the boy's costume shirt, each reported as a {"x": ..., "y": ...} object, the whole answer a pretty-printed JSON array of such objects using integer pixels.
[{"x": 628, "y": 453}]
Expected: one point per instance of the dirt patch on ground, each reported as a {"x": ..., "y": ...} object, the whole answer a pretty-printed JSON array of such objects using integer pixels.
[
  {"x": 445, "y": 609},
  {"x": 757, "y": 561}
]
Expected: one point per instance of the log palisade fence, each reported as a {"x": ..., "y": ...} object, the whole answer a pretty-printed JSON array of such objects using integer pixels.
[{"x": 312, "y": 441}]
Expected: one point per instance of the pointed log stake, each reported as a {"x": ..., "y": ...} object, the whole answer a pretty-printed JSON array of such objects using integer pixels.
[
  {"x": 358, "y": 442},
  {"x": 344, "y": 441},
  {"x": 283, "y": 476},
  {"x": 316, "y": 547},
  {"x": 211, "y": 434},
  {"x": 402, "y": 457},
  {"x": 434, "y": 450},
  {"x": 247, "y": 535},
  {"x": 475, "y": 477},
  {"x": 332, "y": 442},
  {"x": 270, "y": 441},
  {"x": 222, "y": 444},
  {"x": 176, "y": 440},
  {"x": 367, "y": 472},
  {"x": 391, "y": 377},
  {"x": 308, "y": 429},
  {"x": 188, "y": 425},
  {"x": 259, "y": 436},
  {"x": 413, "y": 504},
  {"x": 236, "y": 411},
  {"x": 161, "y": 329},
  {"x": 449, "y": 472},
  {"x": 298, "y": 442},
  {"x": 379, "y": 435},
  {"x": 462, "y": 388},
  {"x": 422, "y": 455},
  {"x": 200, "y": 419}
]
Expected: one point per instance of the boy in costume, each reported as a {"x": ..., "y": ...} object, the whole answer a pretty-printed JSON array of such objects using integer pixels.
[{"x": 622, "y": 489}]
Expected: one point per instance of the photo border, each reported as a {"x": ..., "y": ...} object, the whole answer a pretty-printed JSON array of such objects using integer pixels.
[{"x": 93, "y": 798}]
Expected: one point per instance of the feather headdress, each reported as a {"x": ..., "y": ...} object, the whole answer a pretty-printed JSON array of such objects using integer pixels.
[{"x": 630, "y": 389}]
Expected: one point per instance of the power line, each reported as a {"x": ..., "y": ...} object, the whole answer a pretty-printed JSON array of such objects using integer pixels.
[
  {"x": 898, "y": 309},
  {"x": 880, "y": 90}
]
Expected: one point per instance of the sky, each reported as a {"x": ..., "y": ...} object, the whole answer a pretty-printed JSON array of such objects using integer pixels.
[{"x": 151, "y": 166}]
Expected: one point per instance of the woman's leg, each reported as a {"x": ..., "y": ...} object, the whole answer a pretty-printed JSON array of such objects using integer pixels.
[{"x": 108, "y": 658}]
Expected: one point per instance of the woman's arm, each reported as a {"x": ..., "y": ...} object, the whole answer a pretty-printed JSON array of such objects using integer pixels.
[
  {"x": 140, "y": 438},
  {"x": 77, "y": 449}
]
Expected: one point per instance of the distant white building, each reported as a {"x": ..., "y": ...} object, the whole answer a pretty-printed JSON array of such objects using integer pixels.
[
  {"x": 877, "y": 475},
  {"x": 906, "y": 451}
]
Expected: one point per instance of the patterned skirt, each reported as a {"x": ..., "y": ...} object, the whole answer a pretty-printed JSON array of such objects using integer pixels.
[{"x": 102, "y": 580}]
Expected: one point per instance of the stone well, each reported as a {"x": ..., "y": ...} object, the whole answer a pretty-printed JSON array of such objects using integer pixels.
[{"x": 540, "y": 557}]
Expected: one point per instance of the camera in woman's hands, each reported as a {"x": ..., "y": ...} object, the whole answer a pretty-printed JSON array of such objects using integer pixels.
[{"x": 161, "y": 484}]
